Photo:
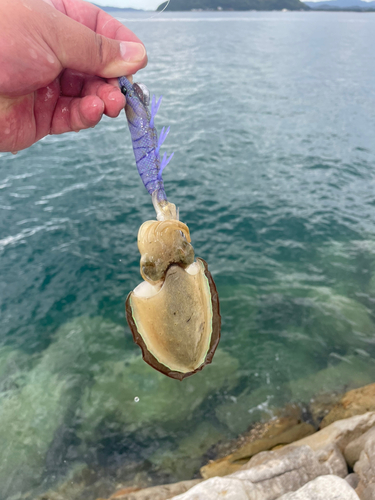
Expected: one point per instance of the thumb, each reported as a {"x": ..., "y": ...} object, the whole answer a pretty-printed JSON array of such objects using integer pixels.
[{"x": 80, "y": 48}]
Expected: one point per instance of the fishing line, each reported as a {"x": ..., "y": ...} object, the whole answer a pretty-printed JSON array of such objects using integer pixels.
[
  {"x": 149, "y": 18},
  {"x": 158, "y": 13}
]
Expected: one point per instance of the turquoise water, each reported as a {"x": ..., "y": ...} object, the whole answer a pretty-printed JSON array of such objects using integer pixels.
[{"x": 272, "y": 121}]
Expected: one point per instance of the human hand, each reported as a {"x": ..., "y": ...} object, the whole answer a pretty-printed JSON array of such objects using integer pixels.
[{"x": 57, "y": 59}]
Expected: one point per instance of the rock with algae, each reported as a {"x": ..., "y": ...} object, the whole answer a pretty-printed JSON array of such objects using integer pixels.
[
  {"x": 241, "y": 412},
  {"x": 14, "y": 364},
  {"x": 82, "y": 345},
  {"x": 185, "y": 460},
  {"x": 31, "y": 415},
  {"x": 322, "y": 314},
  {"x": 353, "y": 371},
  {"x": 29, "y": 419},
  {"x": 133, "y": 397},
  {"x": 251, "y": 406}
]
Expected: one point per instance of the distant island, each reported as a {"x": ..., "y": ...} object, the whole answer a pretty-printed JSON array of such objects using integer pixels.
[
  {"x": 329, "y": 5},
  {"x": 181, "y": 5},
  {"x": 353, "y": 5},
  {"x": 243, "y": 5}
]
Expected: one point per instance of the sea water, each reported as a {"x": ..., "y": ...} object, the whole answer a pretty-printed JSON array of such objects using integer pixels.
[{"x": 272, "y": 120}]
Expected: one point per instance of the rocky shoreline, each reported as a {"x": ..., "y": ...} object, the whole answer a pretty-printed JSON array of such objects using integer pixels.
[{"x": 288, "y": 458}]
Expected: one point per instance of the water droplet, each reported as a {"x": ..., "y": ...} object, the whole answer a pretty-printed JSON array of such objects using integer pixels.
[{"x": 136, "y": 399}]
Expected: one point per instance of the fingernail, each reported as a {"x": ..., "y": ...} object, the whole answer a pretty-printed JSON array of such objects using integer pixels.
[{"x": 132, "y": 51}]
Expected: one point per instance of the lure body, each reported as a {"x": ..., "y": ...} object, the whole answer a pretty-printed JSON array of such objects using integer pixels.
[{"x": 146, "y": 144}]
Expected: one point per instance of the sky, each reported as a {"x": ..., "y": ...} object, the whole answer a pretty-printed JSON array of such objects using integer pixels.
[{"x": 135, "y": 4}]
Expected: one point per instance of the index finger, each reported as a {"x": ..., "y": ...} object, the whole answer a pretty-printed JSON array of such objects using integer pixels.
[{"x": 95, "y": 18}]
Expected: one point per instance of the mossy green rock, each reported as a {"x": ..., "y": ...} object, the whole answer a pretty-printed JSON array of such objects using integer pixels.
[
  {"x": 338, "y": 260},
  {"x": 29, "y": 419},
  {"x": 14, "y": 365},
  {"x": 348, "y": 374},
  {"x": 133, "y": 396},
  {"x": 349, "y": 263},
  {"x": 82, "y": 345},
  {"x": 371, "y": 286},
  {"x": 50, "y": 391},
  {"x": 338, "y": 321},
  {"x": 290, "y": 357},
  {"x": 239, "y": 413},
  {"x": 234, "y": 300},
  {"x": 185, "y": 461}
]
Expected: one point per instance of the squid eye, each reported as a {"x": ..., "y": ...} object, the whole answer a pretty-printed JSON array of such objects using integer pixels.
[{"x": 142, "y": 92}]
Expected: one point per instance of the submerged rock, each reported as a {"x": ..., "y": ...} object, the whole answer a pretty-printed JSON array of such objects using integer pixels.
[
  {"x": 342, "y": 262},
  {"x": 14, "y": 365},
  {"x": 82, "y": 345},
  {"x": 48, "y": 396},
  {"x": 234, "y": 300},
  {"x": 85, "y": 483},
  {"x": 328, "y": 320},
  {"x": 131, "y": 396},
  {"x": 185, "y": 460},
  {"x": 240, "y": 412},
  {"x": 339, "y": 321},
  {"x": 353, "y": 371},
  {"x": 29, "y": 420}
]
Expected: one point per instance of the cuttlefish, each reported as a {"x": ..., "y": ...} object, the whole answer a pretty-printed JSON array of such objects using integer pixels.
[{"x": 174, "y": 314}]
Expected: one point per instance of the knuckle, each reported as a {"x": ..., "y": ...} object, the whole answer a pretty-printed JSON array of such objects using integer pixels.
[{"x": 99, "y": 49}]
